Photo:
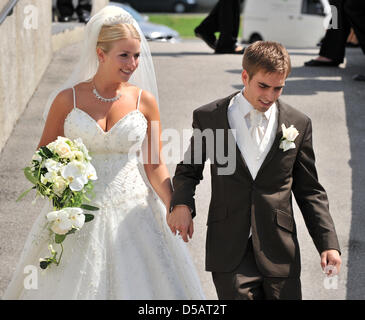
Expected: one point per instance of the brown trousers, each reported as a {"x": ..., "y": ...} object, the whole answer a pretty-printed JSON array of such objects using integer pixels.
[{"x": 246, "y": 283}]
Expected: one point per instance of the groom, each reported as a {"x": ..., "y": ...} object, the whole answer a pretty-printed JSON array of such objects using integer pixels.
[{"x": 251, "y": 247}]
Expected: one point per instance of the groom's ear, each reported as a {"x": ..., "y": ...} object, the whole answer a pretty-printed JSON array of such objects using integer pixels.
[{"x": 245, "y": 77}]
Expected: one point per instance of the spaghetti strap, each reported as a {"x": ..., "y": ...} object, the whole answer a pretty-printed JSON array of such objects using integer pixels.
[
  {"x": 139, "y": 98},
  {"x": 73, "y": 89}
]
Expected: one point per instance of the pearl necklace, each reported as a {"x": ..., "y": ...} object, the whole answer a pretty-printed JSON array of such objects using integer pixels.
[{"x": 99, "y": 97}]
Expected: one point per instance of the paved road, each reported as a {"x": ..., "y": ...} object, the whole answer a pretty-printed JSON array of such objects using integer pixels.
[{"x": 189, "y": 75}]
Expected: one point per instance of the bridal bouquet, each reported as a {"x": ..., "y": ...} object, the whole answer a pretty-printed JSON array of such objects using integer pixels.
[{"x": 62, "y": 172}]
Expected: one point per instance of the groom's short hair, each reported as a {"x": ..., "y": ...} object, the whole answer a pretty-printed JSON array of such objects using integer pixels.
[{"x": 267, "y": 56}]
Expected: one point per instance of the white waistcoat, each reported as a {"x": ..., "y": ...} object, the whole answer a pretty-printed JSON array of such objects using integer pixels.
[{"x": 253, "y": 155}]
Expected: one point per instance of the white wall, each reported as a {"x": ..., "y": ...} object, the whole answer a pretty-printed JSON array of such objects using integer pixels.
[{"x": 25, "y": 52}]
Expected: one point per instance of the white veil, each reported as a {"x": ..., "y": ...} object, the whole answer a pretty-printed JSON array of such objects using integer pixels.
[{"x": 143, "y": 77}]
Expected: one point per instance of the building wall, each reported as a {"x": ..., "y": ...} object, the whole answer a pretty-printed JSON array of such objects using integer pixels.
[{"x": 25, "y": 53}]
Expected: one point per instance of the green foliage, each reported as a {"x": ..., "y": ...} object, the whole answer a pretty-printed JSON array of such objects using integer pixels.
[
  {"x": 182, "y": 23},
  {"x": 59, "y": 238}
]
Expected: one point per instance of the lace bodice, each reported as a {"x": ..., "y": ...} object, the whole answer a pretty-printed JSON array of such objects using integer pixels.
[
  {"x": 114, "y": 154},
  {"x": 126, "y": 133}
]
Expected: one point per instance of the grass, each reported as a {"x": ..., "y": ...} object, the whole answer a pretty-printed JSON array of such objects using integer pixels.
[{"x": 184, "y": 23}]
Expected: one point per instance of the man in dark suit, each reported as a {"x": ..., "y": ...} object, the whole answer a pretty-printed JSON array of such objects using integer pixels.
[
  {"x": 350, "y": 14},
  {"x": 66, "y": 10},
  {"x": 224, "y": 18},
  {"x": 251, "y": 247}
]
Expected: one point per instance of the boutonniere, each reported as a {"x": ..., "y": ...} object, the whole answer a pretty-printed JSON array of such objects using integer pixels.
[{"x": 289, "y": 135}]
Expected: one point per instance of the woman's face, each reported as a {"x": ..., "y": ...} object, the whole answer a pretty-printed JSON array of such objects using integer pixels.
[{"x": 122, "y": 59}]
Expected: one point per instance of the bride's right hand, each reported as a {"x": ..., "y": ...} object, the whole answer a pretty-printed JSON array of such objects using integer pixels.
[{"x": 180, "y": 220}]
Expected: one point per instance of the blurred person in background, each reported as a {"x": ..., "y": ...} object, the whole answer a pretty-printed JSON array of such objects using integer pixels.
[
  {"x": 224, "y": 18},
  {"x": 351, "y": 15},
  {"x": 352, "y": 40},
  {"x": 66, "y": 10}
]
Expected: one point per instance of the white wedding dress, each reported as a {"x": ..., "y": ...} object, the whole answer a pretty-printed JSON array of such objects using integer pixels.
[{"x": 127, "y": 251}]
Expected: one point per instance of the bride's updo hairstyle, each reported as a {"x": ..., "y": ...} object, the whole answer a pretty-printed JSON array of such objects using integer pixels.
[
  {"x": 110, "y": 33},
  {"x": 108, "y": 25}
]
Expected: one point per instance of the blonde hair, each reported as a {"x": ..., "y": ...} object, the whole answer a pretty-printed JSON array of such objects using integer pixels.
[
  {"x": 267, "y": 56},
  {"x": 110, "y": 33}
]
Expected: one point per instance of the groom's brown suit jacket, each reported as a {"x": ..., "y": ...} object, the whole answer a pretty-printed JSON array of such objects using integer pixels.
[{"x": 238, "y": 202}]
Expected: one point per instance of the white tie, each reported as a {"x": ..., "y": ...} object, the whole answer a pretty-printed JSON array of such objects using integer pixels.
[{"x": 257, "y": 126}]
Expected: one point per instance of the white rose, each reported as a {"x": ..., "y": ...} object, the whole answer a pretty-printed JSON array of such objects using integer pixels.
[
  {"x": 290, "y": 133},
  {"x": 287, "y": 145},
  {"x": 64, "y": 140},
  {"x": 59, "y": 185},
  {"x": 63, "y": 150},
  {"x": 79, "y": 156},
  {"x": 61, "y": 147},
  {"x": 37, "y": 157}
]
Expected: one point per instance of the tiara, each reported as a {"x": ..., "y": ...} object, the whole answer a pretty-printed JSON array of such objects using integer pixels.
[{"x": 120, "y": 18}]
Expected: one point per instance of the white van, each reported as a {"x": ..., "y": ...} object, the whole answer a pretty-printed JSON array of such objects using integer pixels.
[{"x": 293, "y": 23}]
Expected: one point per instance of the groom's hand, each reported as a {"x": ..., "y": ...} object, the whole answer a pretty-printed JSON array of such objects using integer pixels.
[
  {"x": 180, "y": 220},
  {"x": 330, "y": 262}
]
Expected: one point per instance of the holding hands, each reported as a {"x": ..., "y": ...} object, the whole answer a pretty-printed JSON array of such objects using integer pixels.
[{"x": 180, "y": 220}]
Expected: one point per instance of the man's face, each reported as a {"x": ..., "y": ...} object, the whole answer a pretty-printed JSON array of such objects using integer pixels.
[{"x": 263, "y": 89}]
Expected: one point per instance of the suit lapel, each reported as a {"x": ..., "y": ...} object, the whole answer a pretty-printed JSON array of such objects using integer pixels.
[
  {"x": 282, "y": 118},
  {"x": 221, "y": 122}
]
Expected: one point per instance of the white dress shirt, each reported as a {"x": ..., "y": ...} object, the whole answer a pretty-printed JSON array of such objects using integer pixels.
[{"x": 239, "y": 119}]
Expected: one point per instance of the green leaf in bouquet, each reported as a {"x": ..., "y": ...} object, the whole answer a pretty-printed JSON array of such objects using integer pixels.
[
  {"x": 24, "y": 194},
  {"x": 88, "y": 217},
  {"x": 29, "y": 175},
  {"x": 89, "y": 207},
  {"x": 86, "y": 198},
  {"x": 45, "y": 152},
  {"x": 73, "y": 230},
  {"x": 59, "y": 238}
]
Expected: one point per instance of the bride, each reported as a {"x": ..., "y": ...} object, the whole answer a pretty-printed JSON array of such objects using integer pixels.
[{"x": 127, "y": 251}]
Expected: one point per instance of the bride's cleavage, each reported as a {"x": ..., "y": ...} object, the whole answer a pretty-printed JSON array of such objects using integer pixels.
[{"x": 106, "y": 121}]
